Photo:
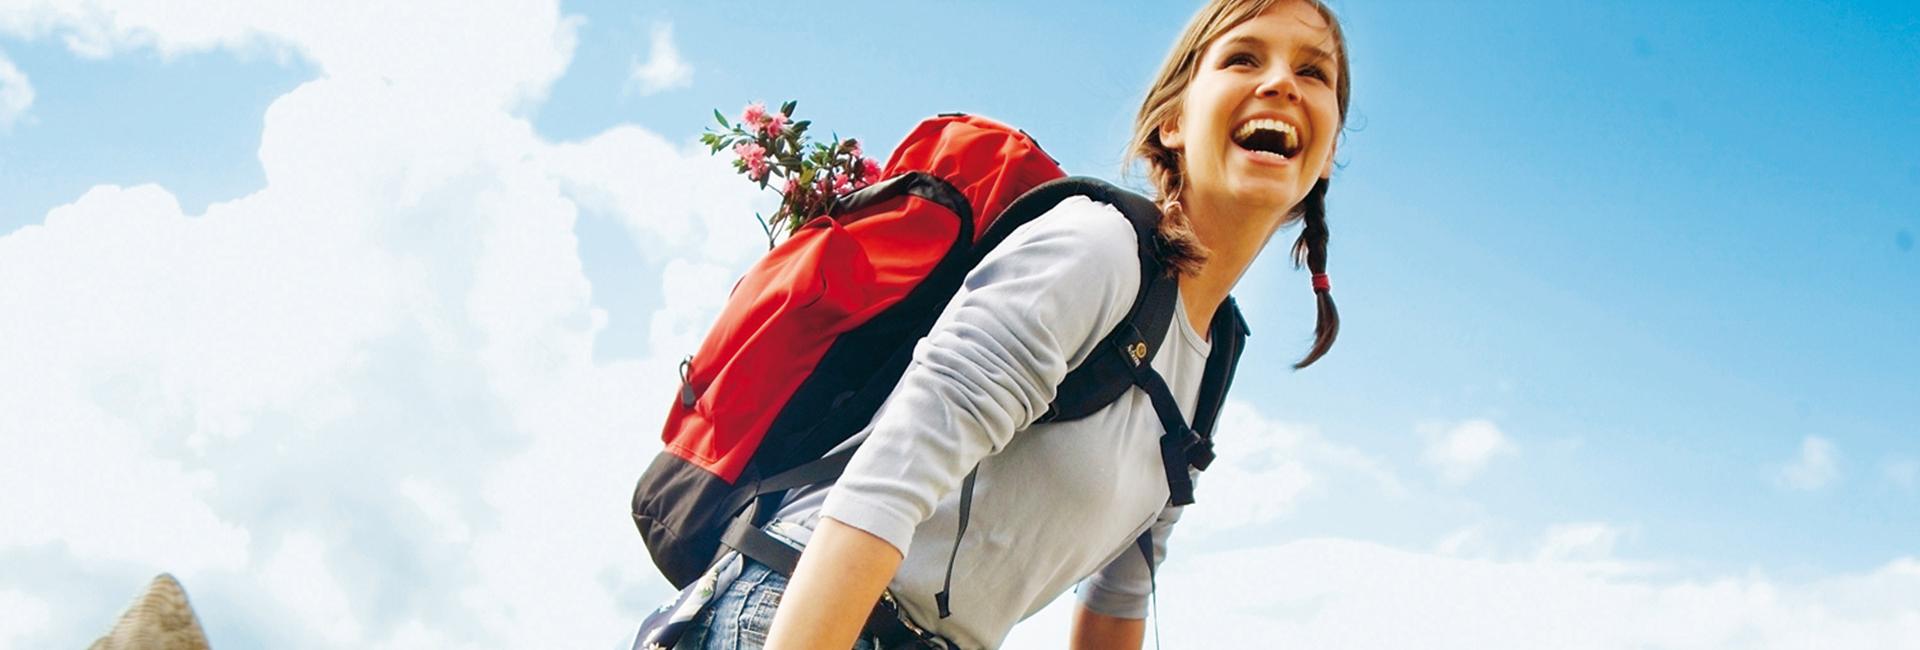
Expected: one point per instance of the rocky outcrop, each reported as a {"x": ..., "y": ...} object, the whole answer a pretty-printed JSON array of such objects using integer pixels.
[{"x": 161, "y": 619}]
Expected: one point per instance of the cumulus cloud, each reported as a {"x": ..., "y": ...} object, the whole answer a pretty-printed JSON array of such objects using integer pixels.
[
  {"x": 1266, "y": 468},
  {"x": 1359, "y": 595},
  {"x": 663, "y": 69},
  {"x": 505, "y": 54},
  {"x": 1591, "y": 542},
  {"x": 26, "y": 616},
  {"x": 1815, "y": 468},
  {"x": 359, "y": 407},
  {"x": 1461, "y": 541},
  {"x": 16, "y": 94},
  {"x": 1332, "y": 593},
  {"x": 1459, "y": 452}
]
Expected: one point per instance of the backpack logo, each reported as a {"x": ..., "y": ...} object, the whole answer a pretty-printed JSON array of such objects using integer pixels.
[{"x": 1138, "y": 351}]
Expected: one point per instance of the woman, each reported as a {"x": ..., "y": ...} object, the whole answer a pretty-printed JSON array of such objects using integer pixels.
[{"x": 1238, "y": 135}]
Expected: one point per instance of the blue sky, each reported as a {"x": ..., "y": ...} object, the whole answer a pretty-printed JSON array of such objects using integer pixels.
[{"x": 1628, "y": 290}]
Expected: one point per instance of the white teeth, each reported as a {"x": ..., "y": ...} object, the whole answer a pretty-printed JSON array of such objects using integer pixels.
[{"x": 1247, "y": 129}]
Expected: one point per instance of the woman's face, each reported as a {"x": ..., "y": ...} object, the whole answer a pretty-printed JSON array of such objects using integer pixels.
[{"x": 1256, "y": 126}]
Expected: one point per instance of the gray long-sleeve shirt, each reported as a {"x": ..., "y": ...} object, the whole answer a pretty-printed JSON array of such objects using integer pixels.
[{"x": 1053, "y": 503}]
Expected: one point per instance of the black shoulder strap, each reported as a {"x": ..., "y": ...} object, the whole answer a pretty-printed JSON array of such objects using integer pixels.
[
  {"x": 1229, "y": 335},
  {"x": 1123, "y": 360}
]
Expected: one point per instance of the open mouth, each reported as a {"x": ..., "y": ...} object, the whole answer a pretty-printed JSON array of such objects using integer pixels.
[{"x": 1269, "y": 136}]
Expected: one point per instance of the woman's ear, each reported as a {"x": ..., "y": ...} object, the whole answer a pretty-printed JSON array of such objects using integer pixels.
[
  {"x": 1327, "y": 174},
  {"x": 1170, "y": 134}
]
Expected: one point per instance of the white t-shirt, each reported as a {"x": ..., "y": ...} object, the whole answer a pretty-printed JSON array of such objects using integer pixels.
[{"x": 1054, "y": 503}]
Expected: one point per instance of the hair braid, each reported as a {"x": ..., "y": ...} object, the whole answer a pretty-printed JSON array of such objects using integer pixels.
[{"x": 1311, "y": 249}]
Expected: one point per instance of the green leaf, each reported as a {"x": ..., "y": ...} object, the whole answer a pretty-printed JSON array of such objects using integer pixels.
[
  {"x": 787, "y": 108},
  {"x": 806, "y": 177},
  {"x": 718, "y": 116}
]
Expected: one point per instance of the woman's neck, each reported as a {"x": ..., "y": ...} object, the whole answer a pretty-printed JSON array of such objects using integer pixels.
[{"x": 1233, "y": 239}]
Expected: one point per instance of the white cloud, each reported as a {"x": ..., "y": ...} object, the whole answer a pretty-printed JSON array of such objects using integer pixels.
[
  {"x": 1817, "y": 466},
  {"x": 1461, "y": 451},
  {"x": 16, "y": 93},
  {"x": 1331, "y": 593},
  {"x": 300, "y": 575},
  {"x": 502, "y": 54},
  {"x": 663, "y": 69},
  {"x": 1591, "y": 542},
  {"x": 1357, "y": 595},
  {"x": 1265, "y": 468},
  {"x": 359, "y": 407},
  {"x": 26, "y": 616},
  {"x": 1461, "y": 542},
  {"x": 1902, "y": 472}
]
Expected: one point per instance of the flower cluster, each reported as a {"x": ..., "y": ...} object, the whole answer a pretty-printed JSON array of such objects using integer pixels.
[{"x": 769, "y": 146}]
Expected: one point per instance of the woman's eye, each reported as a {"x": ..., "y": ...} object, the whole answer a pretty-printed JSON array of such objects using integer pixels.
[
  {"x": 1314, "y": 71},
  {"x": 1240, "y": 59}
]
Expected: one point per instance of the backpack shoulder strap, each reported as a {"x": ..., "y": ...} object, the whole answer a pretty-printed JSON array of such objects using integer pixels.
[
  {"x": 1229, "y": 335},
  {"x": 1108, "y": 373}
]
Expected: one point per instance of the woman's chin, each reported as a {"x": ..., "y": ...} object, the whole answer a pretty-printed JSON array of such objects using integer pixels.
[{"x": 1265, "y": 194}]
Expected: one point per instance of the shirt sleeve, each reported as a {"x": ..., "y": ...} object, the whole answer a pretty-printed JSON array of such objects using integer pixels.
[
  {"x": 1030, "y": 311},
  {"x": 1121, "y": 588}
]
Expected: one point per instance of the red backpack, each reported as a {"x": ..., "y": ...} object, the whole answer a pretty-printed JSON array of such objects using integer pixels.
[{"x": 816, "y": 334}]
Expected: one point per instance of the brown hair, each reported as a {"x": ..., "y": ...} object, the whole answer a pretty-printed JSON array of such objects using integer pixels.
[{"x": 1163, "y": 165}]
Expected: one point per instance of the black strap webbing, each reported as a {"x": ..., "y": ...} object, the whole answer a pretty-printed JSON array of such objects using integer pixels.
[
  {"x": 966, "y": 506},
  {"x": 1178, "y": 440},
  {"x": 827, "y": 468},
  {"x": 757, "y": 544},
  {"x": 1229, "y": 335}
]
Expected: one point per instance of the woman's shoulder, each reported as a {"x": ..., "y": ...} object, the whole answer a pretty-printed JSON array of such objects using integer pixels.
[{"x": 1082, "y": 238}]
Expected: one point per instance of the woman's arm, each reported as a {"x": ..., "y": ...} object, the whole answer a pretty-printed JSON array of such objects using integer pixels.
[
  {"x": 1033, "y": 308},
  {"x": 1095, "y": 631},
  {"x": 840, "y": 577}
]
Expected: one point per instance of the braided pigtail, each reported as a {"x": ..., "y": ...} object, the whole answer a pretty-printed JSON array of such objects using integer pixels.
[{"x": 1311, "y": 249}]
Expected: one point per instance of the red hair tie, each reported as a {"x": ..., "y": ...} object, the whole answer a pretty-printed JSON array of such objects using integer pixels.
[{"x": 1320, "y": 282}]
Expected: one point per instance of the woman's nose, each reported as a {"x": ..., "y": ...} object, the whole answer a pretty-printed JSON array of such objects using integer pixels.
[{"x": 1281, "y": 85}]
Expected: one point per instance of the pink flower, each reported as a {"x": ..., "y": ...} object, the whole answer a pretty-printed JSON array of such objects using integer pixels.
[
  {"x": 755, "y": 157},
  {"x": 841, "y": 183},
  {"x": 748, "y": 150},
  {"x": 869, "y": 170},
  {"x": 755, "y": 114},
  {"x": 776, "y": 123}
]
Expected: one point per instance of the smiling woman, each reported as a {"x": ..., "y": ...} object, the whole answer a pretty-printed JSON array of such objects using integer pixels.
[
  {"x": 1266, "y": 53},
  {"x": 1237, "y": 133}
]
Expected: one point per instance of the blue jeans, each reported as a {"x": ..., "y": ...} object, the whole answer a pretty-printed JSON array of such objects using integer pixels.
[{"x": 740, "y": 616}]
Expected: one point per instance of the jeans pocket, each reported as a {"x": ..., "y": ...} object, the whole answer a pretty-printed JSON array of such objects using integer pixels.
[{"x": 761, "y": 601}]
